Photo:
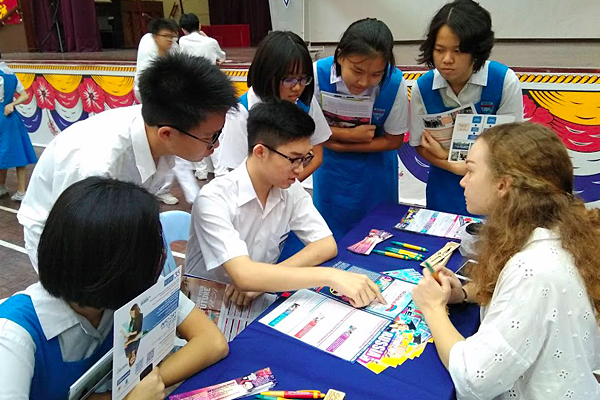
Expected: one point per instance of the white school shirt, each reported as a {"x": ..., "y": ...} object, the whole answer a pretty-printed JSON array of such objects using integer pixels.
[
  {"x": 20, "y": 88},
  {"x": 146, "y": 53},
  {"x": 539, "y": 338},
  {"x": 397, "y": 120},
  {"x": 511, "y": 103},
  {"x": 233, "y": 148},
  {"x": 77, "y": 338},
  {"x": 111, "y": 144},
  {"x": 229, "y": 221},
  {"x": 196, "y": 44}
]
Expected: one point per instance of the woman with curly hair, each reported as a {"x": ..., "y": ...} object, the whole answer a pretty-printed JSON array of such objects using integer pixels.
[{"x": 537, "y": 277}]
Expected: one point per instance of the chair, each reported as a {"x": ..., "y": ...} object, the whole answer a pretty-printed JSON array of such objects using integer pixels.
[{"x": 176, "y": 226}]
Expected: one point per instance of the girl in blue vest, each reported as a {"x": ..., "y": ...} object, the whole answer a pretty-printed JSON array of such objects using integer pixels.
[
  {"x": 101, "y": 247},
  {"x": 458, "y": 43},
  {"x": 15, "y": 146},
  {"x": 281, "y": 69},
  {"x": 360, "y": 164}
]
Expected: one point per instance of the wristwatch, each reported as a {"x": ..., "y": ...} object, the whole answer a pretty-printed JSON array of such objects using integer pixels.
[{"x": 465, "y": 299}]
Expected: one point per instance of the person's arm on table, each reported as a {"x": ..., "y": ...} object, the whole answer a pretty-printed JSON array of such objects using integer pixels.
[
  {"x": 250, "y": 276},
  {"x": 381, "y": 143},
  {"x": 313, "y": 254},
  {"x": 205, "y": 346}
]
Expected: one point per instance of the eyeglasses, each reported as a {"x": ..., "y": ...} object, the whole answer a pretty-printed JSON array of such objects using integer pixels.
[
  {"x": 211, "y": 143},
  {"x": 296, "y": 162},
  {"x": 291, "y": 82}
]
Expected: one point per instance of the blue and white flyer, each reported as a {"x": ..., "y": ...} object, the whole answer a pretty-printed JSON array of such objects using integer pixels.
[{"x": 144, "y": 333}]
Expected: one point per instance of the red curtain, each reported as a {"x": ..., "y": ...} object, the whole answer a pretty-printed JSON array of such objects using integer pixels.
[{"x": 255, "y": 13}]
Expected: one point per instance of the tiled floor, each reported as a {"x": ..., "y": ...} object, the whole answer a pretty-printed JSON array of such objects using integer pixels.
[{"x": 16, "y": 272}]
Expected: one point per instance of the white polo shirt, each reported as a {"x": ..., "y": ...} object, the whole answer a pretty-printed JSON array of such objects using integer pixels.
[
  {"x": 229, "y": 221},
  {"x": 111, "y": 144},
  {"x": 146, "y": 53},
  {"x": 511, "y": 103},
  {"x": 196, "y": 44},
  {"x": 397, "y": 120},
  {"x": 234, "y": 140},
  {"x": 77, "y": 338}
]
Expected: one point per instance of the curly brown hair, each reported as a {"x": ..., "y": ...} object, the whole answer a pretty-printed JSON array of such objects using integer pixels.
[{"x": 541, "y": 174}]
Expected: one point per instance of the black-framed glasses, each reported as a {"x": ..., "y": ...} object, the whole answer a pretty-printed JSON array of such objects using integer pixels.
[
  {"x": 211, "y": 143},
  {"x": 291, "y": 82},
  {"x": 296, "y": 162}
]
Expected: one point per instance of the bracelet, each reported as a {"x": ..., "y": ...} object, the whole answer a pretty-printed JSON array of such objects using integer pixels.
[{"x": 465, "y": 299}]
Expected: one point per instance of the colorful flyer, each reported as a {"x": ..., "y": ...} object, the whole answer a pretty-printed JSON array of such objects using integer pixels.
[
  {"x": 327, "y": 324},
  {"x": 395, "y": 292},
  {"x": 467, "y": 128},
  {"x": 408, "y": 275},
  {"x": 435, "y": 223},
  {"x": 144, "y": 333},
  {"x": 256, "y": 382}
]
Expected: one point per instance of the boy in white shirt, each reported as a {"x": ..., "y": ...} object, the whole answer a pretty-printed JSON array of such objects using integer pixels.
[
  {"x": 196, "y": 42},
  {"x": 240, "y": 220},
  {"x": 185, "y": 100}
]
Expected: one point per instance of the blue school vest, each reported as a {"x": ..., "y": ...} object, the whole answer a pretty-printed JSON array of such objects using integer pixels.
[
  {"x": 443, "y": 191},
  {"x": 349, "y": 185},
  {"x": 52, "y": 377}
]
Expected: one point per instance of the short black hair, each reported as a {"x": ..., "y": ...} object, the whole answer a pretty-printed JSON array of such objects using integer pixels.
[
  {"x": 279, "y": 54},
  {"x": 367, "y": 37},
  {"x": 102, "y": 244},
  {"x": 470, "y": 22},
  {"x": 189, "y": 22},
  {"x": 158, "y": 24},
  {"x": 183, "y": 90},
  {"x": 277, "y": 122}
]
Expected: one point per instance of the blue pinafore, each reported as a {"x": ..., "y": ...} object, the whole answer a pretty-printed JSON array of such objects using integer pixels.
[
  {"x": 349, "y": 185},
  {"x": 52, "y": 377},
  {"x": 443, "y": 191},
  {"x": 15, "y": 146}
]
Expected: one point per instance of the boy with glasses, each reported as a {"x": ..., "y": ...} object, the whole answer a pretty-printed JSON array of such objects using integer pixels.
[
  {"x": 240, "y": 221},
  {"x": 185, "y": 100}
]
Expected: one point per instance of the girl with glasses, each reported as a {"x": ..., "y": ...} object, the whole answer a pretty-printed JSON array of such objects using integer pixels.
[{"x": 360, "y": 164}]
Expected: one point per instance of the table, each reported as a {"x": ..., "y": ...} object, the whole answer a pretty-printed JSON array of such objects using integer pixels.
[{"x": 299, "y": 366}]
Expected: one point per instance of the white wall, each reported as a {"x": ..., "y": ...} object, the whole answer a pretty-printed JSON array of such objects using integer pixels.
[{"x": 408, "y": 19}]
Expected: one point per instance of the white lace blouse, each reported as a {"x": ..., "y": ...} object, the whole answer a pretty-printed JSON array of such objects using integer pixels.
[{"x": 539, "y": 338}]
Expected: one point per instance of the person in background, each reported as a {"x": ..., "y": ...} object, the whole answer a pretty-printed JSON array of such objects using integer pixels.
[{"x": 15, "y": 146}]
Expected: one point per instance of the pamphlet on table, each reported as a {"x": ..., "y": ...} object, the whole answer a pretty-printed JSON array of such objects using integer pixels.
[
  {"x": 209, "y": 296},
  {"x": 435, "y": 223},
  {"x": 144, "y": 333}
]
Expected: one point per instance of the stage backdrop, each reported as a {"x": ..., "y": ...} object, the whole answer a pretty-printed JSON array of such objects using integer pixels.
[{"x": 60, "y": 95}]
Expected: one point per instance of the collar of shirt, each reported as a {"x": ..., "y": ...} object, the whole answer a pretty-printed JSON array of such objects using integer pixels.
[
  {"x": 56, "y": 316},
  {"x": 246, "y": 192},
  {"x": 540, "y": 234},
  {"x": 478, "y": 78},
  {"x": 141, "y": 148}
]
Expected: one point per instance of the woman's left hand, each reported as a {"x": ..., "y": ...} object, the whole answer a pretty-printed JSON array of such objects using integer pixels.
[
  {"x": 433, "y": 146},
  {"x": 429, "y": 294}
]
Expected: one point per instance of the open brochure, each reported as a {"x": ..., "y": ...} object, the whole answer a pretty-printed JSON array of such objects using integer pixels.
[
  {"x": 324, "y": 319},
  {"x": 255, "y": 383},
  {"x": 435, "y": 223},
  {"x": 346, "y": 111},
  {"x": 467, "y": 128},
  {"x": 209, "y": 296},
  {"x": 144, "y": 333},
  {"x": 441, "y": 125}
]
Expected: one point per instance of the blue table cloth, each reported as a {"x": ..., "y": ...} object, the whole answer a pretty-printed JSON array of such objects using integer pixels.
[{"x": 299, "y": 366}]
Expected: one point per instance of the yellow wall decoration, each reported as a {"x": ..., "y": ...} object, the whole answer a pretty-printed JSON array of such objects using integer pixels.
[
  {"x": 26, "y": 79},
  {"x": 115, "y": 85},
  {"x": 64, "y": 83},
  {"x": 578, "y": 107}
]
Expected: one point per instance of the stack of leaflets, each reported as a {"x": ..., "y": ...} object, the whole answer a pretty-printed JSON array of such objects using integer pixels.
[
  {"x": 209, "y": 296},
  {"x": 256, "y": 382}
]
